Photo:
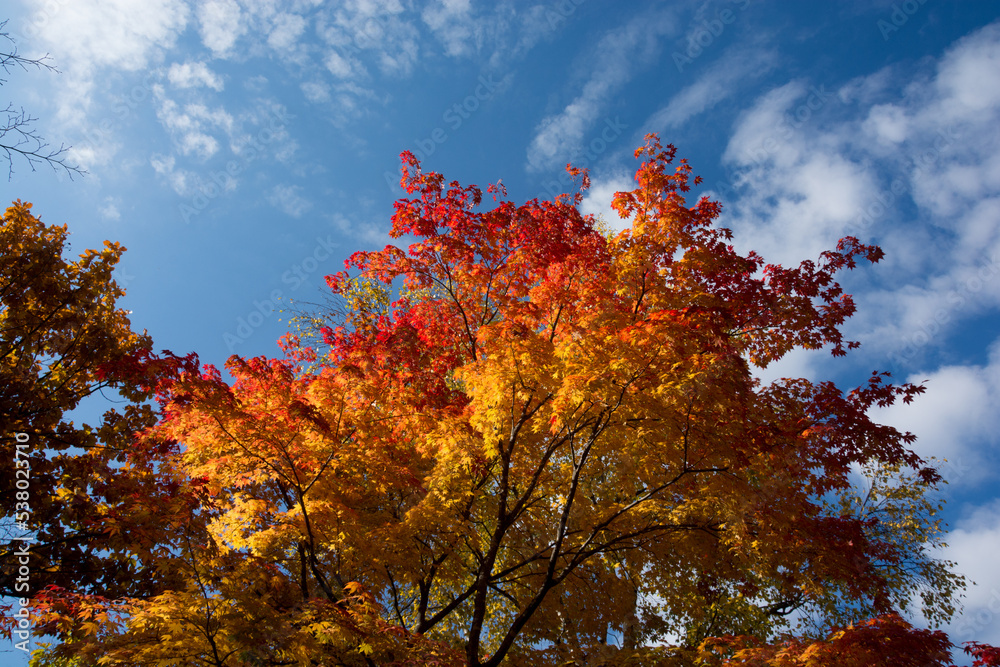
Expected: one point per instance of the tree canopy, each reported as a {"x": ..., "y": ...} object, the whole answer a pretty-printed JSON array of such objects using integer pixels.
[
  {"x": 524, "y": 440},
  {"x": 60, "y": 333}
]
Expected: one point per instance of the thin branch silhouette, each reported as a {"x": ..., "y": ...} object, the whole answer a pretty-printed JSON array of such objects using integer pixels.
[{"x": 17, "y": 135}]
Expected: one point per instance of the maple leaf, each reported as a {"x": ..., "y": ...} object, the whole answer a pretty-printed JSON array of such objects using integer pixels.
[
  {"x": 552, "y": 433},
  {"x": 62, "y": 340}
]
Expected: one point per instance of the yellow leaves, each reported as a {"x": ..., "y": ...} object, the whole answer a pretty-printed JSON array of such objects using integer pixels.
[
  {"x": 89, "y": 628},
  {"x": 553, "y": 431}
]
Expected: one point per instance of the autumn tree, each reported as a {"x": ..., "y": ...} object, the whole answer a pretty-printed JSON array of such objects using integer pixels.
[
  {"x": 523, "y": 441},
  {"x": 63, "y": 341}
]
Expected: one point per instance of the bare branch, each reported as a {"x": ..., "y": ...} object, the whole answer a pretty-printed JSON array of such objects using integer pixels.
[{"x": 17, "y": 136}]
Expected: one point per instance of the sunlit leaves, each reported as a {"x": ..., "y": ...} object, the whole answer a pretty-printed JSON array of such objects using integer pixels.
[{"x": 521, "y": 434}]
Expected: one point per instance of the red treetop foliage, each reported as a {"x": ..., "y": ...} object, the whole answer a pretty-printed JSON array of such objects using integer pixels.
[{"x": 522, "y": 434}]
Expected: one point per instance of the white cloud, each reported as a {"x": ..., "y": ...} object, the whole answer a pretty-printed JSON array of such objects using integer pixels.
[
  {"x": 597, "y": 200},
  {"x": 513, "y": 29},
  {"x": 373, "y": 235},
  {"x": 220, "y": 24},
  {"x": 906, "y": 320},
  {"x": 955, "y": 419},
  {"x": 181, "y": 181},
  {"x": 162, "y": 164},
  {"x": 755, "y": 138},
  {"x": 797, "y": 363},
  {"x": 344, "y": 67},
  {"x": 911, "y": 161},
  {"x": 94, "y": 148},
  {"x": 316, "y": 91},
  {"x": 721, "y": 81},
  {"x": 86, "y": 36},
  {"x": 193, "y": 75},
  {"x": 264, "y": 131},
  {"x": 887, "y": 123},
  {"x": 452, "y": 22},
  {"x": 109, "y": 211},
  {"x": 969, "y": 75},
  {"x": 286, "y": 31},
  {"x": 289, "y": 200},
  {"x": 949, "y": 149},
  {"x": 254, "y": 135},
  {"x": 400, "y": 61},
  {"x": 973, "y": 546},
  {"x": 619, "y": 52},
  {"x": 532, "y": 25},
  {"x": 193, "y": 125},
  {"x": 378, "y": 30},
  {"x": 799, "y": 185}
]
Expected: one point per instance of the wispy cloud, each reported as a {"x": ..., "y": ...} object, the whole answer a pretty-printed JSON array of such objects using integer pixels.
[
  {"x": 289, "y": 199},
  {"x": 285, "y": 32},
  {"x": 378, "y": 30},
  {"x": 193, "y": 75},
  {"x": 88, "y": 34},
  {"x": 721, "y": 81},
  {"x": 618, "y": 54},
  {"x": 220, "y": 23},
  {"x": 453, "y": 23},
  {"x": 109, "y": 211},
  {"x": 183, "y": 182},
  {"x": 87, "y": 37},
  {"x": 344, "y": 66},
  {"x": 316, "y": 91},
  {"x": 973, "y": 544},
  {"x": 812, "y": 165},
  {"x": 193, "y": 125},
  {"x": 955, "y": 419}
]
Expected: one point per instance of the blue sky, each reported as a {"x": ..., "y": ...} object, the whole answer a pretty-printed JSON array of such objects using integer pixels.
[{"x": 242, "y": 149}]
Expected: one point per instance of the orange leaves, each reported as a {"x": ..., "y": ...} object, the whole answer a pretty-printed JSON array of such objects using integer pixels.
[
  {"x": 55, "y": 610},
  {"x": 548, "y": 436}
]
